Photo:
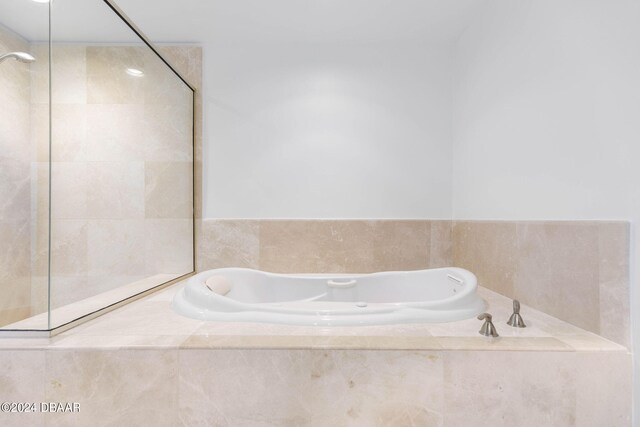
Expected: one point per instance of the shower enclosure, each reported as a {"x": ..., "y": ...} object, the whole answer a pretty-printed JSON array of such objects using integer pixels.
[{"x": 96, "y": 163}]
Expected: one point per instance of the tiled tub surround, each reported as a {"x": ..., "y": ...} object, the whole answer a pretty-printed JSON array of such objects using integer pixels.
[
  {"x": 577, "y": 271},
  {"x": 144, "y": 364},
  {"x": 323, "y": 246},
  {"x": 574, "y": 270}
]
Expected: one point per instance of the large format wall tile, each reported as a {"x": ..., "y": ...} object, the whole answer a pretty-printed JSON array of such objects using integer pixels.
[
  {"x": 302, "y": 387},
  {"x": 351, "y": 246},
  {"x": 116, "y": 190},
  {"x": 168, "y": 187},
  {"x": 14, "y": 129},
  {"x": 430, "y": 388},
  {"x": 509, "y": 388},
  {"x": 613, "y": 247},
  {"x": 68, "y": 289},
  {"x": 339, "y": 246},
  {"x": 39, "y": 133},
  {"x": 577, "y": 271},
  {"x": 106, "y": 78},
  {"x": 212, "y": 387},
  {"x": 14, "y": 258},
  {"x": 161, "y": 85},
  {"x": 187, "y": 60},
  {"x": 21, "y": 380},
  {"x": 15, "y": 313},
  {"x": 15, "y": 76},
  {"x": 115, "y": 247},
  {"x": 39, "y": 294},
  {"x": 69, "y": 189},
  {"x": 15, "y": 281},
  {"x": 68, "y": 130},
  {"x": 168, "y": 132},
  {"x": 68, "y": 74},
  {"x": 558, "y": 269},
  {"x": 40, "y": 219},
  {"x": 441, "y": 250},
  {"x": 113, "y": 132},
  {"x": 228, "y": 243},
  {"x": 489, "y": 250},
  {"x": 168, "y": 246},
  {"x": 316, "y": 246},
  {"x": 134, "y": 387},
  {"x": 388, "y": 388},
  {"x": 39, "y": 84},
  {"x": 401, "y": 245},
  {"x": 15, "y": 182},
  {"x": 315, "y": 387},
  {"x": 69, "y": 247},
  {"x": 603, "y": 383}
]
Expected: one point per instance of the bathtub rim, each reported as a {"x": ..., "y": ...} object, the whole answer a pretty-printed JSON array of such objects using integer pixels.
[{"x": 195, "y": 300}]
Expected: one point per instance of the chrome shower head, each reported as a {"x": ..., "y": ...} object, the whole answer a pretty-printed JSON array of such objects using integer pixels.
[{"x": 18, "y": 56}]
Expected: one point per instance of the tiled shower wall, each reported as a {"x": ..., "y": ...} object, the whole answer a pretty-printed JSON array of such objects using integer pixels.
[
  {"x": 15, "y": 182},
  {"x": 121, "y": 171},
  {"x": 576, "y": 271}
]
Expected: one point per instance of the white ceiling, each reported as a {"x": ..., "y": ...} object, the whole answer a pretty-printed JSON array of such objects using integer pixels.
[
  {"x": 245, "y": 21},
  {"x": 303, "y": 21}
]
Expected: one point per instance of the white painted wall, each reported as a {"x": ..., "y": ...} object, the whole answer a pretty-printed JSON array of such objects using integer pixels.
[
  {"x": 547, "y": 116},
  {"x": 333, "y": 130},
  {"x": 546, "y": 104}
]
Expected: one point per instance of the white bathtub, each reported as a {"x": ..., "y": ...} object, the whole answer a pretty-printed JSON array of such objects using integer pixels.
[{"x": 435, "y": 295}]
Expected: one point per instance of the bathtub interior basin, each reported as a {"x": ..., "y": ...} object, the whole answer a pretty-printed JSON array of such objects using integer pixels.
[{"x": 434, "y": 295}]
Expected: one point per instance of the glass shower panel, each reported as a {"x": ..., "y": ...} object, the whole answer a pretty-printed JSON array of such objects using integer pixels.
[
  {"x": 24, "y": 170},
  {"x": 122, "y": 163}
]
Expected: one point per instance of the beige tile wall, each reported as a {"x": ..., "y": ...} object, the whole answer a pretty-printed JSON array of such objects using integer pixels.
[
  {"x": 121, "y": 175},
  {"x": 187, "y": 60},
  {"x": 320, "y": 387},
  {"x": 576, "y": 271},
  {"x": 121, "y": 171},
  {"x": 15, "y": 182},
  {"x": 305, "y": 246}
]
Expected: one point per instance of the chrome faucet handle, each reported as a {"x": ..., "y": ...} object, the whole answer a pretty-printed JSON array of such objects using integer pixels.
[
  {"x": 487, "y": 329},
  {"x": 485, "y": 316},
  {"x": 516, "y": 320}
]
